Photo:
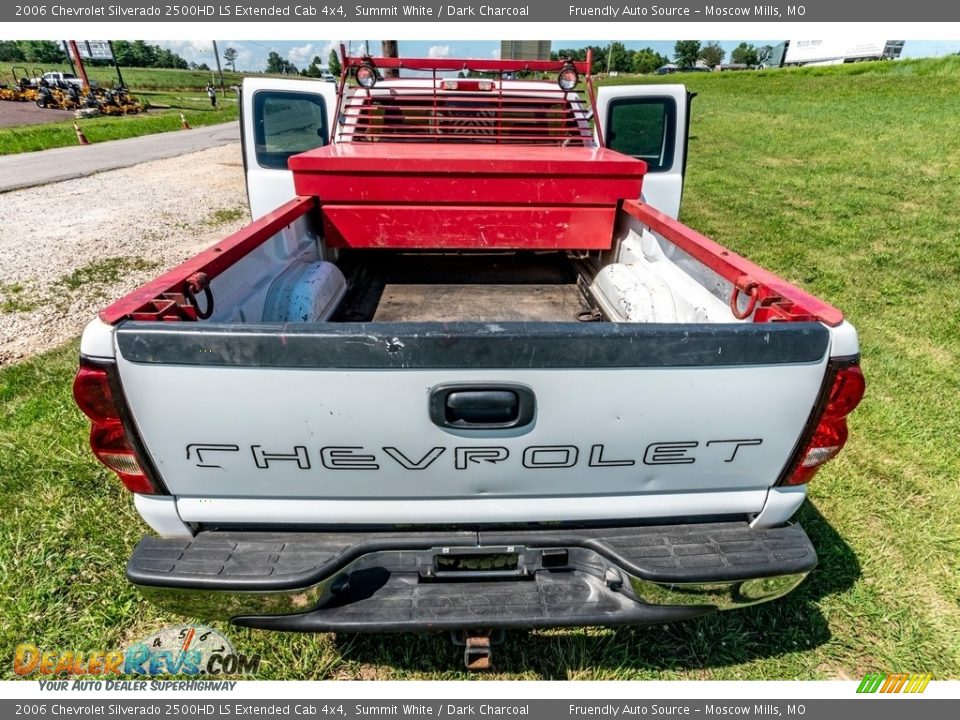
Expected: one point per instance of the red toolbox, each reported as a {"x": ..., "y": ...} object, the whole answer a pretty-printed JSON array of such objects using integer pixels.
[{"x": 467, "y": 197}]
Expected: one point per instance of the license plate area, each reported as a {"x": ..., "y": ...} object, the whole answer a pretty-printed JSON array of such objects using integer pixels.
[{"x": 509, "y": 562}]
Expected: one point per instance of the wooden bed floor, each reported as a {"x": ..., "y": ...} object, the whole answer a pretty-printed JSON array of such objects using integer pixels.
[{"x": 479, "y": 303}]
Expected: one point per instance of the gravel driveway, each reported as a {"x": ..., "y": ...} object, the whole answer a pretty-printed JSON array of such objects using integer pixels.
[{"x": 68, "y": 249}]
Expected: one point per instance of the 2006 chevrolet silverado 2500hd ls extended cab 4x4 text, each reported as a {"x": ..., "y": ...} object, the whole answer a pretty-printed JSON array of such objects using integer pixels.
[{"x": 466, "y": 370}]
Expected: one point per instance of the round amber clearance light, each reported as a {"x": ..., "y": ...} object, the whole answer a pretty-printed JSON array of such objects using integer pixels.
[
  {"x": 568, "y": 79},
  {"x": 366, "y": 76}
]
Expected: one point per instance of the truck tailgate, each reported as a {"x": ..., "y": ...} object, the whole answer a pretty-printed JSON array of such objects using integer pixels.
[{"x": 332, "y": 423}]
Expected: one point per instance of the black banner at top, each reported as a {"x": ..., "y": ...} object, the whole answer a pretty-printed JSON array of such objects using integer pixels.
[{"x": 579, "y": 11}]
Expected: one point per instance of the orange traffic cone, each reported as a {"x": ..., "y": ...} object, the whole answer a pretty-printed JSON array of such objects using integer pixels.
[
  {"x": 81, "y": 138},
  {"x": 184, "y": 125}
]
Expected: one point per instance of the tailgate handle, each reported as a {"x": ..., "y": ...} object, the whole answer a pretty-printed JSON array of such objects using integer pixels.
[{"x": 482, "y": 407}]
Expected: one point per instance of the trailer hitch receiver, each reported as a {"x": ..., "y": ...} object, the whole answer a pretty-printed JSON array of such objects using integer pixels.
[{"x": 477, "y": 646}]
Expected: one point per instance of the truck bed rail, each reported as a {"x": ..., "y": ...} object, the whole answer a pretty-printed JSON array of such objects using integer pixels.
[
  {"x": 756, "y": 291},
  {"x": 168, "y": 296}
]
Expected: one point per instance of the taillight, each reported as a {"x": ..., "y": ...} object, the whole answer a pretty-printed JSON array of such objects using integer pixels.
[
  {"x": 831, "y": 432},
  {"x": 91, "y": 391},
  {"x": 108, "y": 438}
]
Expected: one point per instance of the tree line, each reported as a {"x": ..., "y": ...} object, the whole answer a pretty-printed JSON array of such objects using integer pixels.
[
  {"x": 135, "y": 53},
  {"x": 279, "y": 65},
  {"x": 688, "y": 52},
  {"x": 615, "y": 57}
]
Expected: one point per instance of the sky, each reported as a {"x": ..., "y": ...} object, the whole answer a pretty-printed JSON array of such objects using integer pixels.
[{"x": 252, "y": 55}]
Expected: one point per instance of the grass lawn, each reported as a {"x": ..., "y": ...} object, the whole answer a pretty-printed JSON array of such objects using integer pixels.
[
  {"x": 163, "y": 116},
  {"x": 844, "y": 180}
]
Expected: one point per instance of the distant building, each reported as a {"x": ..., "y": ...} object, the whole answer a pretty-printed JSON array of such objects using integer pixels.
[
  {"x": 525, "y": 49},
  {"x": 832, "y": 52}
]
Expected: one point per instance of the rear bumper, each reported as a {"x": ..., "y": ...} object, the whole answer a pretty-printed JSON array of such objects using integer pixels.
[{"x": 426, "y": 581}]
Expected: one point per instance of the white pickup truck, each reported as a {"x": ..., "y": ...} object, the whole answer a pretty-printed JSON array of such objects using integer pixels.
[
  {"x": 466, "y": 371},
  {"x": 60, "y": 79}
]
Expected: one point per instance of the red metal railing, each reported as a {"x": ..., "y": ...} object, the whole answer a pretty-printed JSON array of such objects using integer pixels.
[{"x": 485, "y": 109}]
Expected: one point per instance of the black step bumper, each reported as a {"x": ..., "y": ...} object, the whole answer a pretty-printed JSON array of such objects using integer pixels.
[{"x": 423, "y": 581}]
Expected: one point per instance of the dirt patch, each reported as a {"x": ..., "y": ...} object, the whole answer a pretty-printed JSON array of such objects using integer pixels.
[
  {"x": 68, "y": 249},
  {"x": 27, "y": 113}
]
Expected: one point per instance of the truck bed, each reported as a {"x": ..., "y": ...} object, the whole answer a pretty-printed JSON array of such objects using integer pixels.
[
  {"x": 479, "y": 303},
  {"x": 387, "y": 286}
]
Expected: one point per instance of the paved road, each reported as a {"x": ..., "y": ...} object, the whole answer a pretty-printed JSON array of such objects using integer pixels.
[{"x": 46, "y": 166}]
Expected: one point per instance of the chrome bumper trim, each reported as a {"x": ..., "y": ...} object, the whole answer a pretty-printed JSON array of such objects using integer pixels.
[
  {"x": 722, "y": 596},
  {"x": 227, "y": 604}
]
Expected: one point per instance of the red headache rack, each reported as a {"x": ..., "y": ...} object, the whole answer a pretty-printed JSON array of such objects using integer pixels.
[{"x": 432, "y": 104}]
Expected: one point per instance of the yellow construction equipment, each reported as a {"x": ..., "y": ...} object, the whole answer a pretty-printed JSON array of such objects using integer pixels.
[
  {"x": 23, "y": 88},
  {"x": 53, "y": 90}
]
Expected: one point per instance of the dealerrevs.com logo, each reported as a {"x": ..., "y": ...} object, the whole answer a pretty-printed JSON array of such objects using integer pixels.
[{"x": 192, "y": 650}]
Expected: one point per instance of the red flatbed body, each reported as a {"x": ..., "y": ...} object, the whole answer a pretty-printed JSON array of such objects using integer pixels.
[{"x": 467, "y": 196}]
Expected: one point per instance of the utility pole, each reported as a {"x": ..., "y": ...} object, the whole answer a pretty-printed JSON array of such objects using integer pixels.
[
  {"x": 80, "y": 67},
  {"x": 390, "y": 50},
  {"x": 116, "y": 65},
  {"x": 66, "y": 49},
  {"x": 216, "y": 54}
]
